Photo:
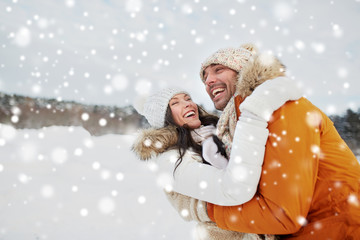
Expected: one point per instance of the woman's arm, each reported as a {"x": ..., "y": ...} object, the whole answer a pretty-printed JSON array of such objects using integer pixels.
[{"x": 233, "y": 185}]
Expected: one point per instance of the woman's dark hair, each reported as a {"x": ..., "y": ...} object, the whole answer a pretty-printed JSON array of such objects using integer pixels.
[{"x": 185, "y": 141}]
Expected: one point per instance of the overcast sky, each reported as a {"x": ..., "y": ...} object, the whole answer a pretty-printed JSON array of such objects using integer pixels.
[{"x": 110, "y": 52}]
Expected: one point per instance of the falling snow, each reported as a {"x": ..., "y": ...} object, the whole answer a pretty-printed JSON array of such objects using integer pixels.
[
  {"x": 115, "y": 53},
  {"x": 104, "y": 185}
]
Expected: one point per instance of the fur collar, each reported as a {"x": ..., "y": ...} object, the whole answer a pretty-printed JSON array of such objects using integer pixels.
[
  {"x": 259, "y": 69},
  {"x": 151, "y": 142}
]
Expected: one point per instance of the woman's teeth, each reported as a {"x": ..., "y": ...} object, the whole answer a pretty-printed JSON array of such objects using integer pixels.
[{"x": 189, "y": 114}]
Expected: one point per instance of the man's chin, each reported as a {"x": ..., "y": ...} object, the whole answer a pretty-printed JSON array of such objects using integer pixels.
[{"x": 220, "y": 104}]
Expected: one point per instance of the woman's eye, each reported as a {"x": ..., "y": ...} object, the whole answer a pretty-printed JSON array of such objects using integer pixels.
[{"x": 173, "y": 103}]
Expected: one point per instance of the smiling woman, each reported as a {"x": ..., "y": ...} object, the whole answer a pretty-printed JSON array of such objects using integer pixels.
[{"x": 184, "y": 111}]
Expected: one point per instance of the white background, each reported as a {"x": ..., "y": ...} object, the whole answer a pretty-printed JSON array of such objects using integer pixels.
[{"x": 110, "y": 52}]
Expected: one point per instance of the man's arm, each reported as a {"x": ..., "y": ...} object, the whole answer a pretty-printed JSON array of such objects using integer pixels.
[{"x": 287, "y": 180}]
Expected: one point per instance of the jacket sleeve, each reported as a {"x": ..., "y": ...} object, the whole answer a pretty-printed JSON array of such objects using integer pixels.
[
  {"x": 288, "y": 179},
  {"x": 235, "y": 184},
  {"x": 190, "y": 209}
]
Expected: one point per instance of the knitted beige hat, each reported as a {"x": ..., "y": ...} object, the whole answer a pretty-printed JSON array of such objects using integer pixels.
[
  {"x": 233, "y": 58},
  {"x": 155, "y": 106}
]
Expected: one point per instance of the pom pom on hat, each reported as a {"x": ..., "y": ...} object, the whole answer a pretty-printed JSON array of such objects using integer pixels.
[
  {"x": 139, "y": 103},
  {"x": 154, "y": 107},
  {"x": 233, "y": 58}
]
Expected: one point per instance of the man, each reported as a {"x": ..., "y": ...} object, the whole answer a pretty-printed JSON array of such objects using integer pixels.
[{"x": 309, "y": 186}]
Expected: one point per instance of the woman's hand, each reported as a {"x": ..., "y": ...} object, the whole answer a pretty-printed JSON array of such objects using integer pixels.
[
  {"x": 200, "y": 134},
  {"x": 212, "y": 155},
  {"x": 271, "y": 95}
]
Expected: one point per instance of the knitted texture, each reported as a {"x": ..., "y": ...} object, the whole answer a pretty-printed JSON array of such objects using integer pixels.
[
  {"x": 225, "y": 131},
  {"x": 233, "y": 58},
  {"x": 156, "y": 105},
  {"x": 209, "y": 231},
  {"x": 226, "y": 125}
]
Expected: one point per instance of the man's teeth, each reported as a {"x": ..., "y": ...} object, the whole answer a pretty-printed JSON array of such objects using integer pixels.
[
  {"x": 217, "y": 91},
  {"x": 190, "y": 114}
]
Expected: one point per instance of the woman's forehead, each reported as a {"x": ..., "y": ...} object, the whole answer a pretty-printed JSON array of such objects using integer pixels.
[{"x": 179, "y": 95}]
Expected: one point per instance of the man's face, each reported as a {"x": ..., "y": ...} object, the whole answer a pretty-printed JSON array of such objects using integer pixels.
[{"x": 220, "y": 83}]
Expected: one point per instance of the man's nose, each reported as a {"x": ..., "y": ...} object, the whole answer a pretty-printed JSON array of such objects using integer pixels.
[{"x": 210, "y": 79}]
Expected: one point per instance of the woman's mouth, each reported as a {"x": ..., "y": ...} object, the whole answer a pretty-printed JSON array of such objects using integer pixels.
[{"x": 189, "y": 114}]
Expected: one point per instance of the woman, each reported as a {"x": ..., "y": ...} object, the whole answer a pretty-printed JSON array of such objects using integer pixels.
[{"x": 183, "y": 141}]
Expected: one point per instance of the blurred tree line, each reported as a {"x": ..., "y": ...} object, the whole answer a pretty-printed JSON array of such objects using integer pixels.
[
  {"x": 41, "y": 112},
  {"x": 348, "y": 126}
]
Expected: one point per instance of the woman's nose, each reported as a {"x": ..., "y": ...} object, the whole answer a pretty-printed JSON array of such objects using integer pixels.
[{"x": 185, "y": 103}]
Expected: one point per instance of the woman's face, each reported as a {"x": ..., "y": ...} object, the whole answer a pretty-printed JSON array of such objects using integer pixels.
[{"x": 184, "y": 111}]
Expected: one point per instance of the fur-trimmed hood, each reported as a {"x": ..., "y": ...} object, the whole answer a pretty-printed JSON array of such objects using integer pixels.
[
  {"x": 151, "y": 142},
  {"x": 260, "y": 68}
]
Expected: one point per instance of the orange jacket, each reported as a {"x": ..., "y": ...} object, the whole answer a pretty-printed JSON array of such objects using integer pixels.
[{"x": 309, "y": 187}]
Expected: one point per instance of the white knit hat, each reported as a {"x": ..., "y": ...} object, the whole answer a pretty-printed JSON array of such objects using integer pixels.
[
  {"x": 233, "y": 58},
  {"x": 155, "y": 106}
]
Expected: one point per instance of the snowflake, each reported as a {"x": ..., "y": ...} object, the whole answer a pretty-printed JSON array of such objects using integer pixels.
[
  {"x": 203, "y": 184},
  {"x": 102, "y": 122},
  {"x": 143, "y": 87},
  {"x": 96, "y": 165},
  {"x": 239, "y": 173},
  {"x": 23, "y": 37},
  {"x": 106, "y": 205},
  {"x": 164, "y": 180},
  {"x": 132, "y": 6},
  {"x": 70, "y": 3},
  {"x": 120, "y": 82},
  {"x": 141, "y": 199},
  {"x": 84, "y": 212},
  {"x": 318, "y": 47},
  {"x": 85, "y": 116},
  {"x": 282, "y": 11},
  {"x": 184, "y": 212},
  {"x": 47, "y": 191},
  {"x": 301, "y": 220},
  {"x": 337, "y": 31},
  {"x": 59, "y": 155}
]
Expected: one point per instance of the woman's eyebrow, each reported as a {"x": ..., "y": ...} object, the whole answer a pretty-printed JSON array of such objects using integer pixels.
[{"x": 174, "y": 98}]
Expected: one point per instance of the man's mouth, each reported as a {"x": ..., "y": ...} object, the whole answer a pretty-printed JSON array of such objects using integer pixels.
[
  {"x": 189, "y": 114},
  {"x": 217, "y": 91}
]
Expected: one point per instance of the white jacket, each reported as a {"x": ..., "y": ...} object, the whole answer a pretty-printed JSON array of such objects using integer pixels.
[{"x": 235, "y": 184}]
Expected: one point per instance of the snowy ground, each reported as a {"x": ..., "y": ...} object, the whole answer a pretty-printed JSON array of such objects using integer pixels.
[{"x": 61, "y": 183}]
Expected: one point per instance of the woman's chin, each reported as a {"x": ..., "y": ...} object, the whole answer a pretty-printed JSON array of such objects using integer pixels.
[{"x": 194, "y": 124}]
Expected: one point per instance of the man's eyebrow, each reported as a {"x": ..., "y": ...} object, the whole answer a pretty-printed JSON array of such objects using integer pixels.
[{"x": 211, "y": 65}]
